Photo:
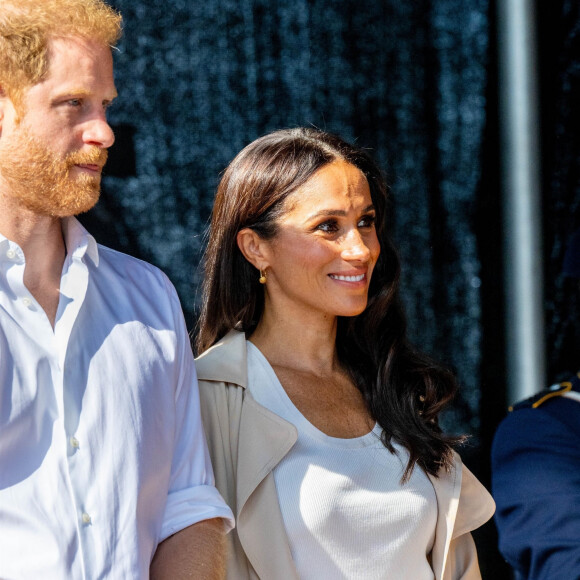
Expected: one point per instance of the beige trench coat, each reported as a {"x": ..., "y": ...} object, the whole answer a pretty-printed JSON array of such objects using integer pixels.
[{"x": 246, "y": 441}]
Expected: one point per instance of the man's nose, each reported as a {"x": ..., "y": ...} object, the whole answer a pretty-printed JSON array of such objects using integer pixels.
[{"x": 98, "y": 132}]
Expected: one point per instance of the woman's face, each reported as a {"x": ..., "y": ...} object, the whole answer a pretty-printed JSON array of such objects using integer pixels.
[{"x": 322, "y": 258}]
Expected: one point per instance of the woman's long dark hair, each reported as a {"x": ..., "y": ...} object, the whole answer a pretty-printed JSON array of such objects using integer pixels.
[{"x": 403, "y": 389}]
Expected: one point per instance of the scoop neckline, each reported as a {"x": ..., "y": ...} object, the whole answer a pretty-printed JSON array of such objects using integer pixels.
[{"x": 301, "y": 422}]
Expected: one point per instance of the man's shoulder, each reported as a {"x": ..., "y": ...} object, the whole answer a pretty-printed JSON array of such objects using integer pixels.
[
  {"x": 552, "y": 393},
  {"x": 569, "y": 389},
  {"x": 112, "y": 256},
  {"x": 550, "y": 411},
  {"x": 129, "y": 267},
  {"x": 134, "y": 281}
]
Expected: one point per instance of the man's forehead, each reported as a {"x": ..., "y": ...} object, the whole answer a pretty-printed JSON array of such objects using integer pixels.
[
  {"x": 62, "y": 45},
  {"x": 72, "y": 61}
]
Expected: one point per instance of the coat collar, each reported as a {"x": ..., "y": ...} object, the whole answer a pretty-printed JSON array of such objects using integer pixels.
[
  {"x": 258, "y": 454},
  {"x": 264, "y": 439},
  {"x": 225, "y": 361}
]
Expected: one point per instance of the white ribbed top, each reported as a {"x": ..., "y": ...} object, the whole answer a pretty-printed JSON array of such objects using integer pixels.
[{"x": 346, "y": 514}]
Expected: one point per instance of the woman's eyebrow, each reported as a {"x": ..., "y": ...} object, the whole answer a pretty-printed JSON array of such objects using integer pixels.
[{"x": 337, "y": 212}]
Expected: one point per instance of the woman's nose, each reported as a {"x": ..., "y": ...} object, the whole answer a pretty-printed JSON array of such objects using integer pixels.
[{"x": 355, "y": 247}]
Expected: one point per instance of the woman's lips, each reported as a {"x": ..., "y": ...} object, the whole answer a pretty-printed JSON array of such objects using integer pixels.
[{"x": 348, "y": 277}]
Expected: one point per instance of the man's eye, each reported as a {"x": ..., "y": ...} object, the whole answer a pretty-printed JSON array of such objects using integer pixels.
[{"x": 75, "y": 102}]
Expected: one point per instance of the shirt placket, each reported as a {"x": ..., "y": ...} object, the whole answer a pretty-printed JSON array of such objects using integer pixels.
[
  {"x": 19, "y": 303},
  {"x": 74, "y": 283}
]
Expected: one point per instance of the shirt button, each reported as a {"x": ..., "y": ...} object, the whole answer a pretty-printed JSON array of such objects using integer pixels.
[
  {"x": 11, "y": 254},
  {"x": 86, "y": 518},
  {"x": 27, "y": 302},
  {"x": 74, "y": 442}
]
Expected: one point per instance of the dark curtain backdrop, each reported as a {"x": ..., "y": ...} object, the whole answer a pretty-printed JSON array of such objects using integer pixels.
[
  {"x": 416, "y": 83},
  {"x": 200, "y": 80},
  {"x": 560, "y": 80}
]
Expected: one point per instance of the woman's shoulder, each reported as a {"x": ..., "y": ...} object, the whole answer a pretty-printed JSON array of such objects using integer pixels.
[
  {"x": 225, "y": 361},
  {"x": 476, "y": 505}
]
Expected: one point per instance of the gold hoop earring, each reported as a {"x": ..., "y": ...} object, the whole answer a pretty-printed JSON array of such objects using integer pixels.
[{"x": 262, "y": 278}]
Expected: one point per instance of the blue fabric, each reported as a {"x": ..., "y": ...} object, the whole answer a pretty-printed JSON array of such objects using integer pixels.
[{"x": 536, "y": 486}]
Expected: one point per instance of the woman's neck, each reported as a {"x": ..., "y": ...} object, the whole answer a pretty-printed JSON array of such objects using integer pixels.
[{"x": 301, "y": 342}]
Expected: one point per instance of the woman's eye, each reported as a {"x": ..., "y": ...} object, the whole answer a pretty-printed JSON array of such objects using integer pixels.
[
  {"x": 328, "y": 226},
  {"x": 367, "y": 221}
]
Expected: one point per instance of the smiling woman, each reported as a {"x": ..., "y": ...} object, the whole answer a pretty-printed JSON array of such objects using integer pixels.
[
  {"x": 321, "y": 418},
  {"x": 322, "y": 257}
]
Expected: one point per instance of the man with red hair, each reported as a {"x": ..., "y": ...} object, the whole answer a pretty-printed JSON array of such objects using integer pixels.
[{"x": 104, "y": 469}]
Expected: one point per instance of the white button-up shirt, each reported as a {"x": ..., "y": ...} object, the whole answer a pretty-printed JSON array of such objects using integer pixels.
[{"x": 102, "y": 452}]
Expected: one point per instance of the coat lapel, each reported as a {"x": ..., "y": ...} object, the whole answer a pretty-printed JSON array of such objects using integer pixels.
[
  {"x": 264, "y": 440},
  {"x": 447, "y": 489},
  {"x": 463, "y": 505}
]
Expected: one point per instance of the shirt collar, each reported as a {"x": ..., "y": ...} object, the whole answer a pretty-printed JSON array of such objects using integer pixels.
[
  {"x": 10, "y": 251},
  {"x": 78, "y": 241}
]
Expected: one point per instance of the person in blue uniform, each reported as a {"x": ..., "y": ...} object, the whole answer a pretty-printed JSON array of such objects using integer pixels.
[{"x": 536, "y": 475}]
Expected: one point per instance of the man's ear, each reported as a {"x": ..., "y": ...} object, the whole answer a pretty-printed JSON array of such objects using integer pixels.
[
  {"x": 254, "y": 248},
  {"x": 7, "y": 108},
  {"x": 3, "y": 98}
]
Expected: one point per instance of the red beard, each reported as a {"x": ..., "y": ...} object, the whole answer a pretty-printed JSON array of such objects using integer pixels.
[{"x": 41, "y": 181}]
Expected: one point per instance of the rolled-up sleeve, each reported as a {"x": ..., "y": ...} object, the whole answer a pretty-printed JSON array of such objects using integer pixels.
[{"x": 192, "y": 495}]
